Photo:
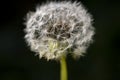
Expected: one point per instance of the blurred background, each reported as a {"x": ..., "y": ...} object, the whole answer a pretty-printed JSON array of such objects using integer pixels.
[{"x": 102, "y": 60}]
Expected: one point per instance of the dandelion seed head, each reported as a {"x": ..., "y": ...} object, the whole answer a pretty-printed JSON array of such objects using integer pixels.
[{"x": 56, "y": 27}]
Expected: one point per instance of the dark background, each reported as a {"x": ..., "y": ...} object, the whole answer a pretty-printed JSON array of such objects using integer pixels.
[{"x": 102, "y": 60}]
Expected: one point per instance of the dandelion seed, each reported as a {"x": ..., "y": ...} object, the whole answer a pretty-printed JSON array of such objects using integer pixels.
[{"x": 57, "y": 27}]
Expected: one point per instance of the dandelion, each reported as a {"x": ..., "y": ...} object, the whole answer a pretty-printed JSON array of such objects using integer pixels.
[{"x": 56, "y": 29}]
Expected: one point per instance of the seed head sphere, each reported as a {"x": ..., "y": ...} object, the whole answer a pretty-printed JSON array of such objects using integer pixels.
[{"x": 59, "y": 28}]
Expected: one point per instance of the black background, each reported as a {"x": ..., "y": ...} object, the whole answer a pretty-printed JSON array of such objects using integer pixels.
[{"x": 102, "y": 60}]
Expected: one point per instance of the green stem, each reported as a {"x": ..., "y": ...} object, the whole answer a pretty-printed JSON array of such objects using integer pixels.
[{"x": 63, "y": 68}]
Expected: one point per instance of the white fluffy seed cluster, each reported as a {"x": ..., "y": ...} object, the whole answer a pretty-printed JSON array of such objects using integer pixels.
[{"x": 59, "y": 28}]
